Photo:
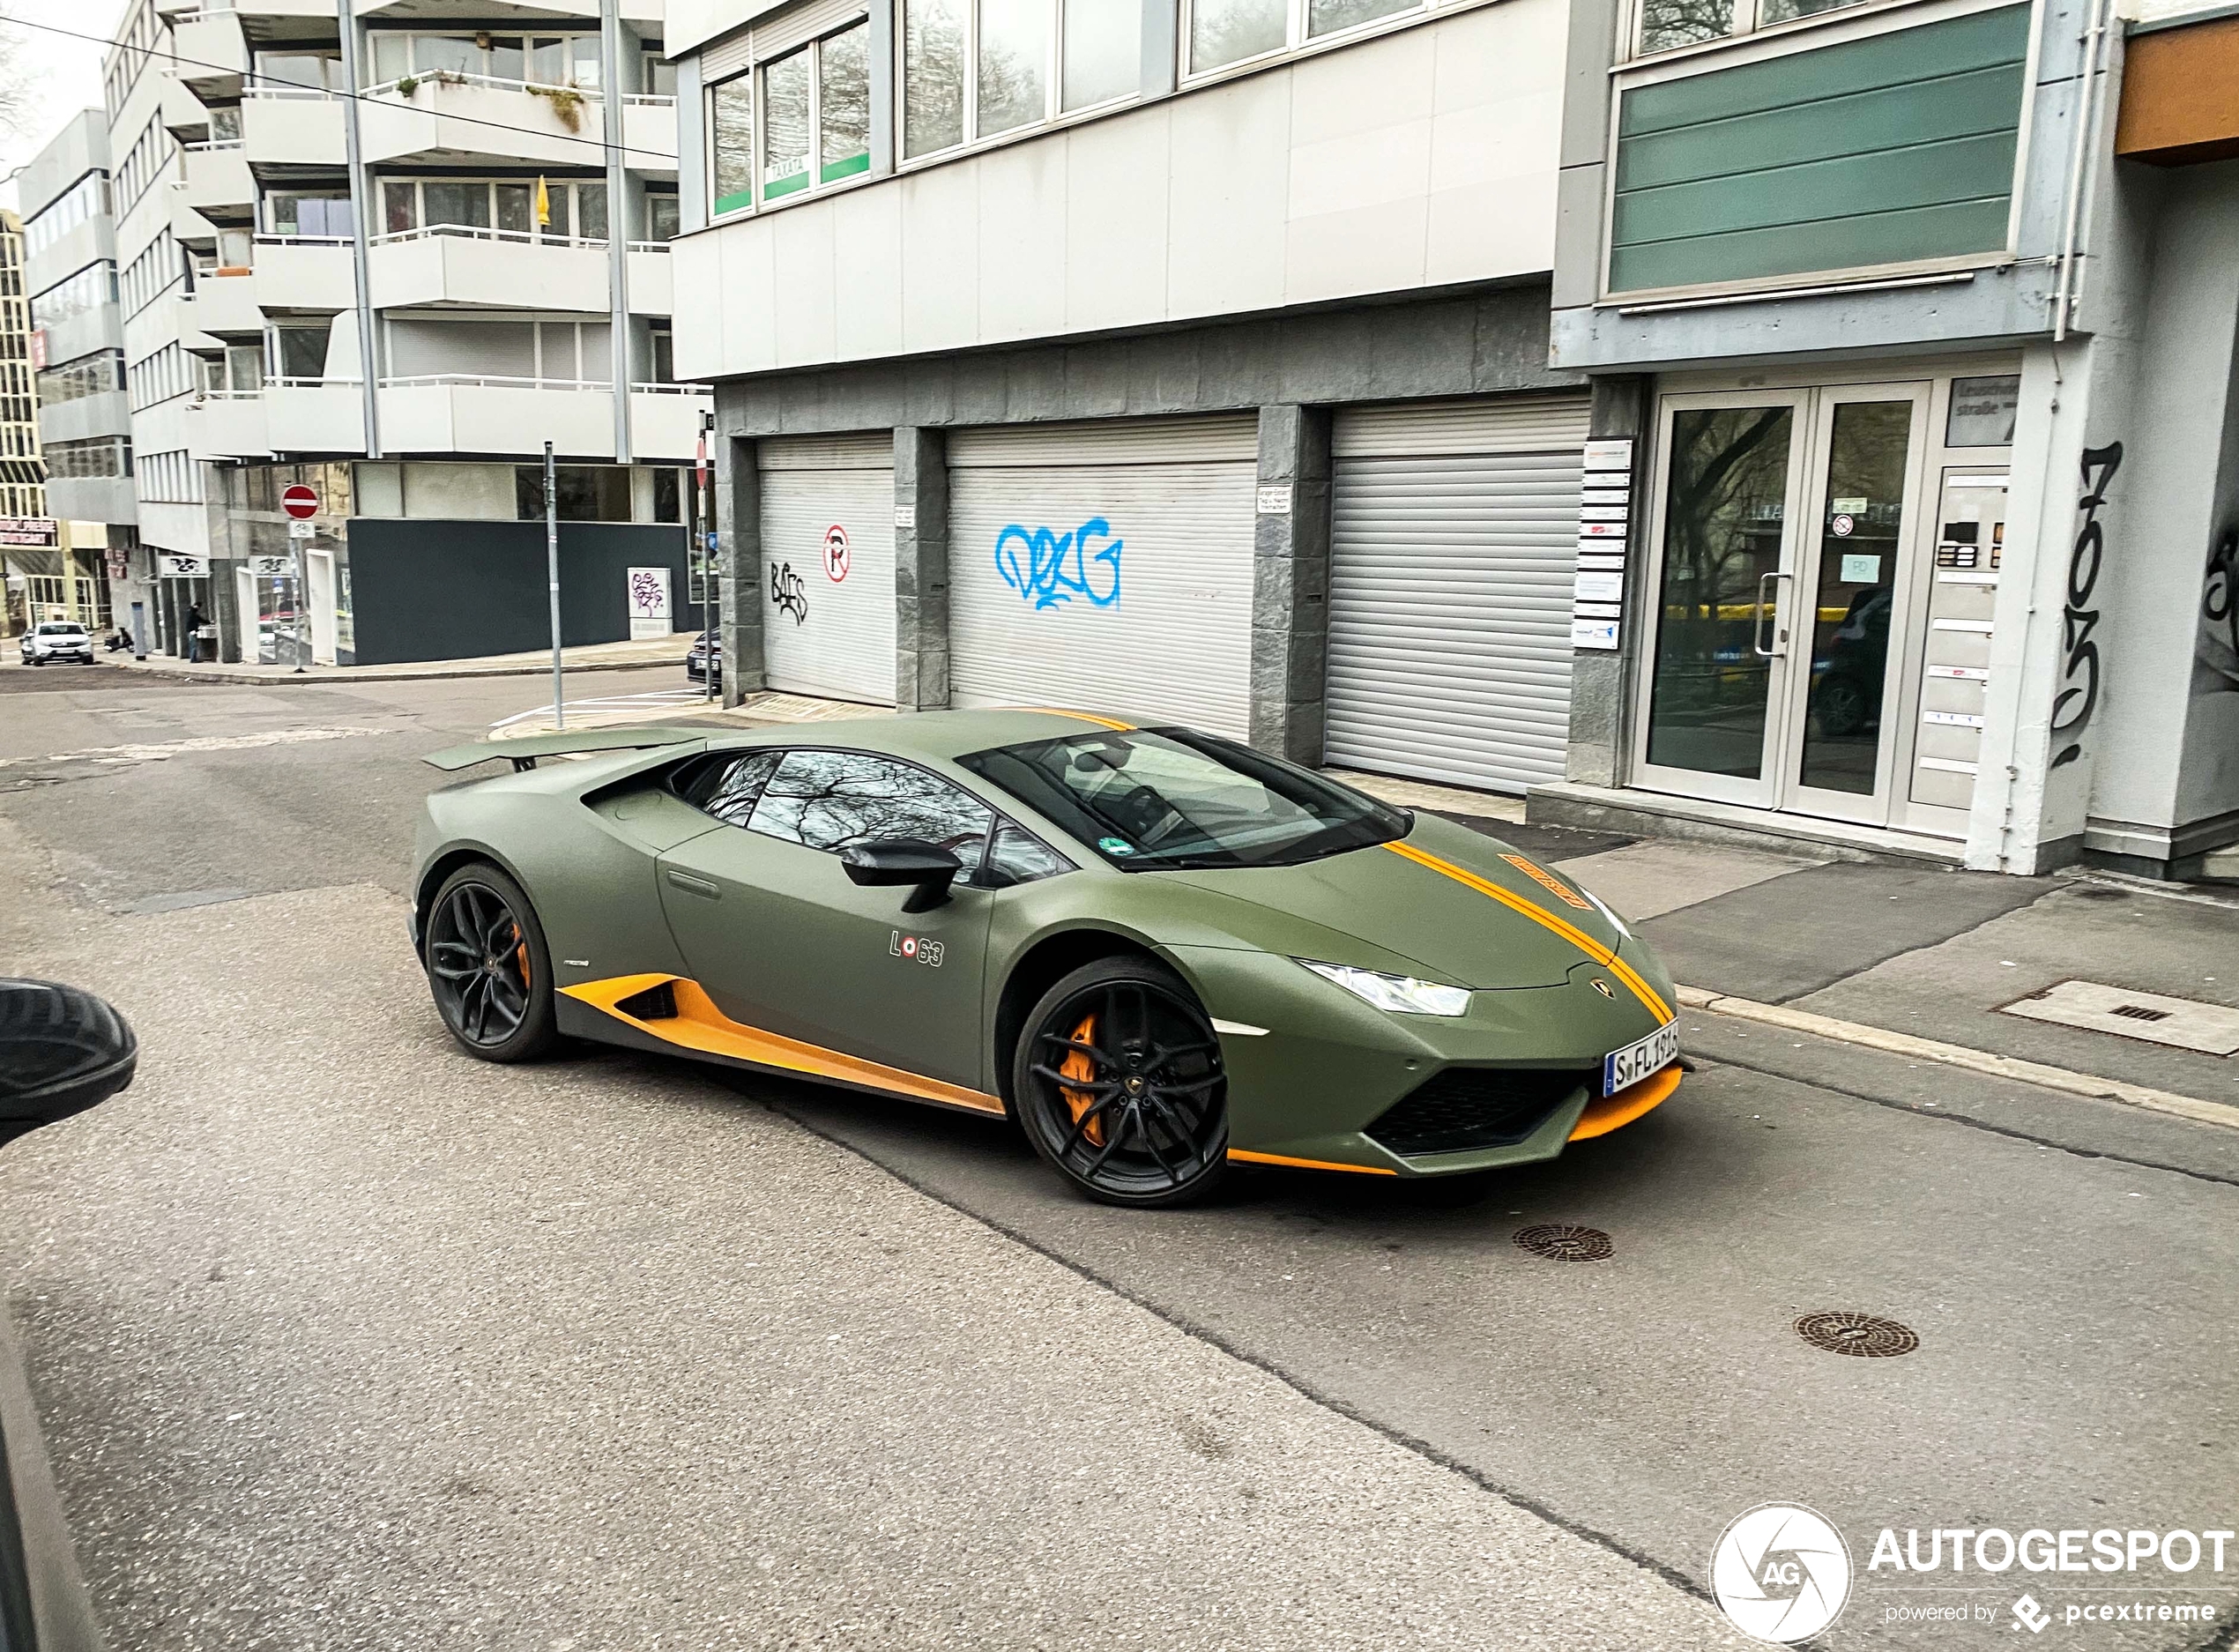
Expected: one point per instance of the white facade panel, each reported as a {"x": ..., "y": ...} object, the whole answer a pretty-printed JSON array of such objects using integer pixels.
[
  {"x": 828, "y": 612},
  {"x": 1287, "y": 186},
  {"x": 1105, "y": 567},
  {"x": 1453, "y": 554}
]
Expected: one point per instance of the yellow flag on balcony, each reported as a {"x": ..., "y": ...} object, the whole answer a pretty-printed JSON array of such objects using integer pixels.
[{"x": 544, "y": 205}]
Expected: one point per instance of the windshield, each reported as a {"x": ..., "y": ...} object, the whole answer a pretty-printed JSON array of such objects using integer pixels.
[
  {"x": 1149, "y": 800},
  {"x": 62, "y": 630}
]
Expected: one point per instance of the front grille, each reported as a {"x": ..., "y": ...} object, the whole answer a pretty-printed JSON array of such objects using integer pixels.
[{"x": 1466, "y": 1108}]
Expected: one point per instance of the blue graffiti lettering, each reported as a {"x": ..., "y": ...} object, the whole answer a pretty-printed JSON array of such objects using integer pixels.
[{"x": 1047, "y": 569}]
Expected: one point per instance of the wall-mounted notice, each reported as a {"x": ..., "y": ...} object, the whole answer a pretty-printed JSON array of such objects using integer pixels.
[{"x": 1604, "y": 519}]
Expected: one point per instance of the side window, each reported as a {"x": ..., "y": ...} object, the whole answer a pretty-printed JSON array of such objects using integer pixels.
[
  {"x": 728, "y": 787},
  {"x": 832, "y": 800},
  {"x": 1019, "y": 858}
]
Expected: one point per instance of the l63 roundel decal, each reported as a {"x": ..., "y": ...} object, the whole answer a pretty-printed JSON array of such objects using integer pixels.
[{"x": 917, "y": 948}]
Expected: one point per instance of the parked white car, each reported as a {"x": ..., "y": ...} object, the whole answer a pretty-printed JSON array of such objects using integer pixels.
[{"x": 57, "y": 639}]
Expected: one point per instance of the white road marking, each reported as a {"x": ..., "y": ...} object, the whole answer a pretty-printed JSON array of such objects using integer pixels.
[
  {"x": 201, "y": 742},
  {"x": 652, "y": 699}
]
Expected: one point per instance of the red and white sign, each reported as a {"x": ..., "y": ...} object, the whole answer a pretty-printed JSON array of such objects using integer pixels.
[
  {"x": 39, "y": 349},
  {"x": 836, "y": 554},
  {"x": 300, "y": 501}
]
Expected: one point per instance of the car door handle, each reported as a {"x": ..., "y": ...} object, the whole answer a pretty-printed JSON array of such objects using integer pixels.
[{"x": 696, "y": 886}]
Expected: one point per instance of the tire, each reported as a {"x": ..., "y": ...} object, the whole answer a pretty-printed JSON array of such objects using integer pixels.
[
  {"x": 496, "y": 1003},
  {"x": 1144, "y": 1121}
]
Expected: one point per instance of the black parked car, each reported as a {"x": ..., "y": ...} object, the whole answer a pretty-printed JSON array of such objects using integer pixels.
[{"x": 705, "y": 657}]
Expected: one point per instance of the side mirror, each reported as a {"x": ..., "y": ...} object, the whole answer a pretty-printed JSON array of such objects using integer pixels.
[
  {"x": 61, "y": 1051},
  {"x": 929, "y": 868}
]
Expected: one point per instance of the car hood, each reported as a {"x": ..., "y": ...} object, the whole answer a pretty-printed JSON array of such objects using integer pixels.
[{"x": 1446, "y": 899}]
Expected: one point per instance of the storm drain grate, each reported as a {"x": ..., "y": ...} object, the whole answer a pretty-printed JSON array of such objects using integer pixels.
[
  {"x": 2182, "y": 1024},
  {"x": 1561, "y": 1242},
  {"x": 1859, "y": 1334}
]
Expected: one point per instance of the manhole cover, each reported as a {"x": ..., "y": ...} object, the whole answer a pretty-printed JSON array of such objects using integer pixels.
[
  {"x": 1567, "y": 1244},
  {"x": 1859, "y": 1334}
]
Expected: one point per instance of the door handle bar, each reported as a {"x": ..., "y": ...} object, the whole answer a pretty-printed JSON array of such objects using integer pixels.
[
  {"x": 1757, "y": 628},
  {"x": 696, "y": 886}
]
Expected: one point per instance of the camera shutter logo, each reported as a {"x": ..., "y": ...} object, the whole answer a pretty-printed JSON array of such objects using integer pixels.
[{"x": 1780, "y": 1572}]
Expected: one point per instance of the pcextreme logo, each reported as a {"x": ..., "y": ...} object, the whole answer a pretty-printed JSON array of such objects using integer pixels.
[{"x": 1780, "y": 1572}]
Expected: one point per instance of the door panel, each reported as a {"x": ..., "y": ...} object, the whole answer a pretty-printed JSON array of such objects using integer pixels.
[
  {"x": 1729, "y": 482},
  {"x": 786, "y": 943}
]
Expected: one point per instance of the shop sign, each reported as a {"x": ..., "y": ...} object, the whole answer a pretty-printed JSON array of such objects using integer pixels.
[
  {"x": 168, "y": 565},
  {"x": 649, "y": 603},
  {"x": 272, "y": 567},
  {"x": 43, "y": 532}
]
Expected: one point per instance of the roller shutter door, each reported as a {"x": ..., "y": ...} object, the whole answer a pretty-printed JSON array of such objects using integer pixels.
[
  {"x": 823, "y": 635},
  {"x": 1105, "y": 565},
  {"x": 1454, "y": 545}
]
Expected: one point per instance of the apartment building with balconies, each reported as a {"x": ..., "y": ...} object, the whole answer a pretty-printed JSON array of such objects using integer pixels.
[
  {"x": 78, "y": 361},
  {"x": 390, "y": 256}
]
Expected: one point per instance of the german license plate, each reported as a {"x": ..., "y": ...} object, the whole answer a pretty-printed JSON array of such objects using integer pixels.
[{"x": 1636, "y": 1061}]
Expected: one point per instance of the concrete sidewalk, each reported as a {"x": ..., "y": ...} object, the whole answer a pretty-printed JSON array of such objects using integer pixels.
[{"x": 593, "y": 657}]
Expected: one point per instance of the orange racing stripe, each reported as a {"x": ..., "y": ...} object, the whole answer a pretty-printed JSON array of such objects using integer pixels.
[
  {"x": 699, "y": 1026},
  {"x": 1308, "y": 1163},
  {"x": 1570, "y": 932},
  {"x": 1085, "y": 716}
]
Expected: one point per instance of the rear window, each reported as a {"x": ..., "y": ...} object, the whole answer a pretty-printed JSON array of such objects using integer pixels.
[{"x": 1149, "y": 800}]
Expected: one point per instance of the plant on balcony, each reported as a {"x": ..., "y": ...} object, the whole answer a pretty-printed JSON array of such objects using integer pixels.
[
  {"x": 566, "y": 102},
  {"x": 407, "y": 85}
]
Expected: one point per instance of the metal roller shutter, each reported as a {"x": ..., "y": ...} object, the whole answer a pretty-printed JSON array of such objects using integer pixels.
[
  {"x": 821, "y": 634},
  {"x": 1454, "y": 546},
  {"x": 1128, "y": 547}
]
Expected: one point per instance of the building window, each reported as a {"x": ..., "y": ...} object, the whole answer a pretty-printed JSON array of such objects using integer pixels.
[
  {"x": 1224, "y": 32},
  {"x": 567, "y": 211},
  {"x": 659, "y": 76},
  {"x": 730, "y": 118},
  {"x": 580, "y": 492},
  {"x": 75, "y": 295},
  {"x": 815, "y": 126},
  {"x": 662, "y": 220},
  {"x": 323, "y": 213},
  {"x": 298, "y": 352},
  {"x": 537, "y": 60},
  {"x": 974, "y": 69},
  {"x": 86, "y": 199},
  {"x": 1666, "y": 24},
  {"x": 93, "y": 375},
  {"x": 90, "y": 459}
]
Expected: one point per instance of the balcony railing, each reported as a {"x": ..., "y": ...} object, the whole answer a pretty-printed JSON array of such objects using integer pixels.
[
  {"x": 303, "y": 240},
  {"x": 479, "y": 231},
  {"x": 492, "y": 381},
  {"x": 649, "y": 100},
  {"x": 212, "y": 145},
  {"x": 671, "y": 390},
  {"x": 313, "y": 94},
  {"x": 313, "y": 383},
  {"x": 465, "y": 77}
]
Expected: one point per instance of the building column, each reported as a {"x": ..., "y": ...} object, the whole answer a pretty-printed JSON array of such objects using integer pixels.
[
  {"x": 1601, "y": 679},
  {"x": 737, "y": 518},
  {"x": 920, "y": 569},
  {"x": 1290, "y": 584}
]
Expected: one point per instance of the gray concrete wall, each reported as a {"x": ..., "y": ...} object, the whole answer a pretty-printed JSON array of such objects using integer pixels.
[
  {"x": 920, "y": 569},
  {"x": 1490, "y": 342},
  {"x": 1601, "y": 680},
  {"x": 1290, "y": 584},
  {"x": 738, "y": 520}
]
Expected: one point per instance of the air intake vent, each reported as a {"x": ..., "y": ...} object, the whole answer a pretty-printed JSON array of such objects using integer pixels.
[
  {"x": 1465, "y": 1109},
  {"x": 655, "y": 1003}
]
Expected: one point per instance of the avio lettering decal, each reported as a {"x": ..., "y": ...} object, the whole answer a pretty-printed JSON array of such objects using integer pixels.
[
  {"x": 1047, "y": 569},
  {"x": 2080, "y": 654},
  {"x": 786, "y": 591}
]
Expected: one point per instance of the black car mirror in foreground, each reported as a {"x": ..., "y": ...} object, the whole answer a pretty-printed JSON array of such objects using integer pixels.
[
  {"x": 905, "y": 860},
  {"x": 61, "y": 1051}
]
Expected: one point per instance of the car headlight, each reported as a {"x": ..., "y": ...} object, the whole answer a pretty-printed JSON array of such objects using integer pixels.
[{"x": 1400, "y": 995}]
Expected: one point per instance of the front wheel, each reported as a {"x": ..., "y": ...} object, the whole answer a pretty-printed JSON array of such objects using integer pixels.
[
  {"x": 1117, "y": 1083},
  {"x": 489, "y": 967}
]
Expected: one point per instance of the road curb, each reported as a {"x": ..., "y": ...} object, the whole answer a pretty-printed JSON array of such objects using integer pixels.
[
  {"x": 375, "y": 673},
  {"x": 2035, "y": 1073}
]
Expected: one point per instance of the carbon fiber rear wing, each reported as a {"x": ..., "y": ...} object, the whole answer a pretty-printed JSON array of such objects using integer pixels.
[{"x": 522, "y": 753}]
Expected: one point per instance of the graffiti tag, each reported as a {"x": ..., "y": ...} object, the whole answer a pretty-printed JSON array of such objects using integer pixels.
[
  {"x": 788, "y": 594},
  {"x": 2219, "y": 648},
  {"x": 1047, "y": 569},
  {"x": 2080, "y": 654}
]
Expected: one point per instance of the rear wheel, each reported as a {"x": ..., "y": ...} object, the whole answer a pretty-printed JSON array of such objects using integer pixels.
[
  {"x": 1118, "y": 1083},
  {"x": 489, "y": 967}
]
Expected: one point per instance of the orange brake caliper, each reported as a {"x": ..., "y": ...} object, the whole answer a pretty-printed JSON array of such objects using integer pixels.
[{"x": 1078, "y": 1065}]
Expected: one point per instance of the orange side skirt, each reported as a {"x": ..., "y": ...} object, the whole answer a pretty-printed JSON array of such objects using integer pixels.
[
  {"x": 699, "y": 1026},
  {"x": 1613, "y": 1113}
]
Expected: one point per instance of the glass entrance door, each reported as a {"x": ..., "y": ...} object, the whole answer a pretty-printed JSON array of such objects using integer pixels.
[{"x": 1784, "y": 575}]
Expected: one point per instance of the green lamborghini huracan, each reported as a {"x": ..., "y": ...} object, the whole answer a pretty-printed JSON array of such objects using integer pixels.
[{"x": 1160, "y": 952}]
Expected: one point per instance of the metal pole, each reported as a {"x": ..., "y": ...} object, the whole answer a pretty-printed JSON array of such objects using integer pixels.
[
  {"x": 704, "y": 531},
  {"x": 552, "y": 571},
  {"x": 361, "y": 221}
]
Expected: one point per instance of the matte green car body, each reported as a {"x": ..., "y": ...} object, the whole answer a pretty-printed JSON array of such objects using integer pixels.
[{"x": 611, "y": 859}]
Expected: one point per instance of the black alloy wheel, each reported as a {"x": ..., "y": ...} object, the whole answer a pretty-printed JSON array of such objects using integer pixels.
[
  {"x": 487, "y": 966},
  {"x": 1119, "y": 1084}
]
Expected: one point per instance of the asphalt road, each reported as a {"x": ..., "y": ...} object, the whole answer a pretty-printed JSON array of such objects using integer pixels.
[{"x": 342, "y": 1340}]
